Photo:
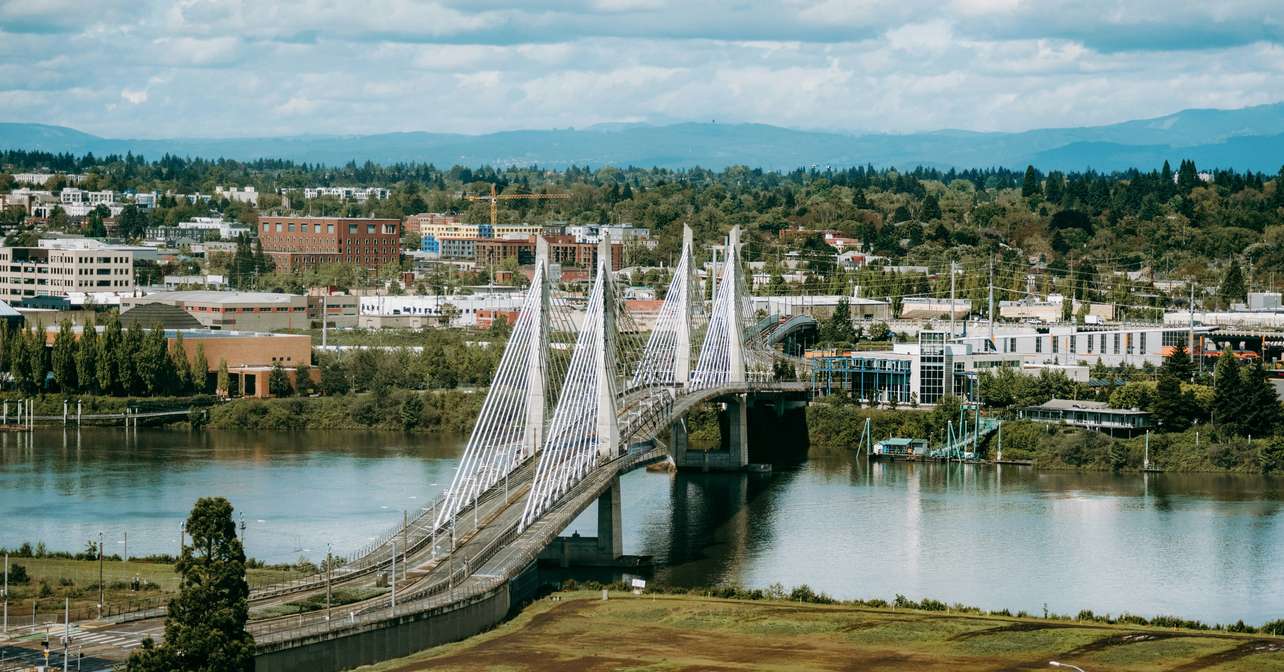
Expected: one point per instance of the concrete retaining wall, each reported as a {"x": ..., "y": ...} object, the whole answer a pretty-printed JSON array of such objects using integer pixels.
[{"x": 409, "y": 634}]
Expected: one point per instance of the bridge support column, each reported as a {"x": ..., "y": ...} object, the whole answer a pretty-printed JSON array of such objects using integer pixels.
[
  {"x": 678, "y": 441},
  {"x": 610, "y": 528},
  {"x": 737, "y": 438}
]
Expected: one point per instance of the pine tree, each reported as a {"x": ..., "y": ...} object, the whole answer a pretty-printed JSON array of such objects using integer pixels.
[
  {"x": 36, "y": 360},
  {"x": 1232, "y": 288},
  {"x": 63, "y": 358},
  {"x": 1030, "y": 185},
  {"x": 1178, "y": 363},
  {"x": 200, "y": 371},
  {"x": 19, "y": 363},
  {"x": 1261, "y": 405},
  {"x": 1171, "y": 408},
  {"x": 205, "y": 625},
  {"x": 1227, "y": 400},
  {"x": 181, "y": 366},
  {"x": 931, "y": 209},
  {"x": 1187, "y": 176},
  {"x": 152, "y": 362},
  {"x": 87, "y": 358},
  {"x": 126, "y": 356},
  {"x": 108, "y": 348}
]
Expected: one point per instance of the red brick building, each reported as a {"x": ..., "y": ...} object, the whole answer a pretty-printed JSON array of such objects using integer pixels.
[
  {"x": 562, "y": 250},
  {"x": 304, "y": 242}
]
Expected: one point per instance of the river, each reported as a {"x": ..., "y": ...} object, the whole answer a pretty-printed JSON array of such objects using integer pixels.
[{"x": 1198, "y": 545}]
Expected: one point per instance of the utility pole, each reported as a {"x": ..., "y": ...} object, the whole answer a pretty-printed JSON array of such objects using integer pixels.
[
  {"x": 393, "y": 573},
  {"x": 990, "y": 310},
  {"x": 66, "y": 630},
  {"x": 1190, "y": 334},
  {"x": 951, "y": 300},
  {"x": 328, "y": 564},
  {"x": 100, "y": 575},
  {"x": 325, "y": 314},
  {"x": 6, "y": 593}
]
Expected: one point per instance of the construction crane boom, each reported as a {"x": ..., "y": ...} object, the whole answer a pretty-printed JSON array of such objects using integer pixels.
[{"x": 495, "y": 198}]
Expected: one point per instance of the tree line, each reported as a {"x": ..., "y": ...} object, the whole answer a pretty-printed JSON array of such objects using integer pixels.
[{"x": 114, "y": 361}]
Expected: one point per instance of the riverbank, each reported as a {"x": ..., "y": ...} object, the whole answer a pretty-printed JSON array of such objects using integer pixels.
[
  {"x": 836, "y": 427},
  {"x": 449, "y": 411},
  {"x": 577, "y": 630}
]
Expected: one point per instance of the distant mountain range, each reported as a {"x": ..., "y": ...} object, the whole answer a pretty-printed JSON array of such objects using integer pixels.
[{"x": 1248, "y": 138}]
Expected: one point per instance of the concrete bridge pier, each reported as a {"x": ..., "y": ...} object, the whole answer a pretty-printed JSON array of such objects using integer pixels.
[
  {"x": 604, "y": 550},
  {"x": 733, "y": 454}
]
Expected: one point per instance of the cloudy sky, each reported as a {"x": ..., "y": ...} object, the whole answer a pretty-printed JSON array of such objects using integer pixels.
[{"x": 144, "y": 68}]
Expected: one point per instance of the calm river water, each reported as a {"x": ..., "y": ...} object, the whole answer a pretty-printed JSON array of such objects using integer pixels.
[{"x": 1200, "y": 546}]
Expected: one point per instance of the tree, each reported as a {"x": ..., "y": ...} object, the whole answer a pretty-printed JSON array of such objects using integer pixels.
[
  {"x": 931, "y": 210},
  {"x": 87, "y": 358},
  {"x": 1030, "y": 185},
  {"x": 838, "y": 328},
  {"x": 108, "y": 347},
  {"x": 200, "y": 371},
  {"x": 279, "y": 382},
  {"x": 1232, "y": 288},
  {"x": 35, "y": 356},
  {"x": 1178, "y": 363},
  {"x": 126, "y": 354},
  {"x": 1171, "y": 408},
  {"x": 205, "y": 627},
  {"x": 334, "y": 378},
  {"x": 181, "y": 366},
  {"x": 1271, "y": 455},
  {"x": 152, "y": 362},
  {"x": 1227, "y": 402},
  {"x": 222, "y": 381},
  {"x": 1261, "y": 405},
  {"x": 303, "y": 380},
  {"x": 411, "y": 410},
  {"x": 63, "y": 358},
  {"x": 132, "y": 223}
]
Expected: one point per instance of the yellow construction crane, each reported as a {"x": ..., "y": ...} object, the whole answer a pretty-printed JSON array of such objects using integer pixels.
[{"x": 495, "y": 198}]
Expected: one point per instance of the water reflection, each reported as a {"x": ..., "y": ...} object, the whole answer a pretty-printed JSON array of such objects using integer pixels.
[{"x": 1197, "y": 545}]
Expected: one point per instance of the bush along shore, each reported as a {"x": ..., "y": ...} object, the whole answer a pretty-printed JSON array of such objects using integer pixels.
[
  {"x": 834, "y": 427},
  {"x": 451, "y": 411},
  {"x": 806, "y": 595}
]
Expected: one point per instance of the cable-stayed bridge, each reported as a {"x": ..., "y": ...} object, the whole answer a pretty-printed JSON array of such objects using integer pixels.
[{"x": 581, "y": 395}]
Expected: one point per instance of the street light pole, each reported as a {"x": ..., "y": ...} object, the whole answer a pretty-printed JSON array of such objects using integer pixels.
[
  {"x": 328, "y": 564},
  {"x": 100, "y": 576}
]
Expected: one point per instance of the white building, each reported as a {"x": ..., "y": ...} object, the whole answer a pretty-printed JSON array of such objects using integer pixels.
[
  {"x": 417, "y": 312},
  {"x": 55, "y": 270},
  {"x": 1067, "y": 345},
  {"x": 244, "y": 195},
  {"x": 592, "y": 233},
  {"x": 345, "y": 193}
]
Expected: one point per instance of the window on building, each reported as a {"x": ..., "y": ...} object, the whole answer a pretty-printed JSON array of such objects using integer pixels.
[
  {"x": 290, "y": 227},
  {"x": 1128, "y": 343},
  {"x": 1142, "y": 342},
  {"x": 352, "y": 229},
  {"x": 1116, "y": 343},
  {"x": 1091, "y": 338},
  {"x": 1038, "y": 344},
  {"x": 1056, "y": 344},
  {"x": 329, "y": 228},
  {"x": 279, "y": 227},
  {"x": 316, "y": 228}
]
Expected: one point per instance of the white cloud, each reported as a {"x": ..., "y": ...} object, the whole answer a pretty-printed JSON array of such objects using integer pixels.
[
  {"x": 236, "y": 67},
  {"x": 134, "y": 97}
]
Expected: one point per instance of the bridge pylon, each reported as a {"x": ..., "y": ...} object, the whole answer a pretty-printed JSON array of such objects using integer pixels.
[
  {"x": 722, "y": 355},
  {"x": 608, "y": 427},
  {"x": 537, "y": 357}
]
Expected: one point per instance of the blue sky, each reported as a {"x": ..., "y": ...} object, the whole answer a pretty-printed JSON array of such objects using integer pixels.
[{"x": 138, "y": 68}]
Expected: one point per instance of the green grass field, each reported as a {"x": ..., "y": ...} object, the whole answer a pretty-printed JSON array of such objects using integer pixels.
[
  {"x": 53, "y": 580},
  {"x": 581, "y": 632}
]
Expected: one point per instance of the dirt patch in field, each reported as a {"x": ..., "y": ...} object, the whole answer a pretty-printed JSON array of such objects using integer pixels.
[
  {"x": 1249, "y": 648},
  {"x": 552, "y": 642}
]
